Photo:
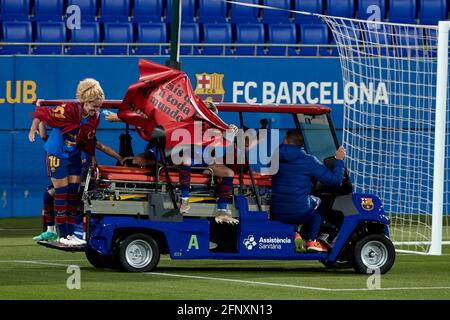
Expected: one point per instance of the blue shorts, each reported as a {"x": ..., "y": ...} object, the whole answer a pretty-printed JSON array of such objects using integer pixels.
[{"x": 60, "y": 168}]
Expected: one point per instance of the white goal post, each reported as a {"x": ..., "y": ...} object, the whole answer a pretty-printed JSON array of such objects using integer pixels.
[
  {"x": 396, "y": 128},
  {"x": 397, "y": 142}
]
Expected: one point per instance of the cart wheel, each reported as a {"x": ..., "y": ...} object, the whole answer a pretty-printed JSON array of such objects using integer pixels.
[
  {"x": 138, "y": 253},
  {"x": 373, "y": 252},
  {"x": 97, "y": 259}
]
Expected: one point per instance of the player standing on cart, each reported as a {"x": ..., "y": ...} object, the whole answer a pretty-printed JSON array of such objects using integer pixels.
[{"x": 74, "y": 131}]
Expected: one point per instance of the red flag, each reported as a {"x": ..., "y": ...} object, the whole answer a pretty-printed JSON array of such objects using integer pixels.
[{"x": 164, "y": 97}]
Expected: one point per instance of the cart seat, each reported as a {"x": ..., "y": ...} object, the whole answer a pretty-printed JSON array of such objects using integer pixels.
[{"x": 146, "y": 175}]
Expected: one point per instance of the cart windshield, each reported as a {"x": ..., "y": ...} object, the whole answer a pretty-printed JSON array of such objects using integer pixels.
[{"x": 318, "y": 134}]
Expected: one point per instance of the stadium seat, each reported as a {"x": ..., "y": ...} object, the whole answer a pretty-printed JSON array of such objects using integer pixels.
[
  {"x": 118, "y": 32},
  {"x": 189, "y": 33},
  {"x": 243, "y": 14},
  {"x": 88, "y": 8},
  {"x": 403, "y": 11},
  {"x": 217, "y": 33},
  {"x": 281, "y": 34},
  {"x": 115, "y": 10},
  {"x": 250, "y": 33},
  {"x": 15, "y": 10},
  {"x": 364, "y": 5},
  {"x": 314, "y": 6},
  {"x": 380, "y": 41},
  {"x": 88, "y": 33},
  {"x": 151, "y": 33},
  {"x": 351, "y": 33},
  {"x": 148, "y": 11},
  {"x": 341, "y": 8},
  {"x": 20, "y": 31},
  {"x": 212, "y": 11},
  {"x": 276, "y": 16},
  {"x": 48, "y": 10},
  {"x": 187, "y": 11},
  {"x": 313, "y": 34},
  {"x": 432, "y": 11},
  {"x": 51, "y": 32}
]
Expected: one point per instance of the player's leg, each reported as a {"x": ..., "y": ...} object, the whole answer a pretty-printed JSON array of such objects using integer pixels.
[
  {"x": 184, "y": 174},
  {"x": 74, "y": 179},
  {"x": 60, "y": 206},
  {"x": 49, "y": 215},
  {"x": 226, "y": 176},
  {"x": 58, "y": 173}
]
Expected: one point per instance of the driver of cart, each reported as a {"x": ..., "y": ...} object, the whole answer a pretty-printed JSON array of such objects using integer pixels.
[{"x": 291, "y": 200}]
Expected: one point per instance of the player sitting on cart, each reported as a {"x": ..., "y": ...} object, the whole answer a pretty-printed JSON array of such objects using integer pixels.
[{"x": 291, "y": 200}]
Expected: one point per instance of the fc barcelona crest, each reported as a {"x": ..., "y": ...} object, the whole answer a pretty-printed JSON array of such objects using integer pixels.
[
  {"x": 210, "y": 86},
  {"x": 367, "y": 204}
]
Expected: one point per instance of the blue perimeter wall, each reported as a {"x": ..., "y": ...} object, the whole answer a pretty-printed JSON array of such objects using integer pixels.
[{"x": 22, "y": 167}]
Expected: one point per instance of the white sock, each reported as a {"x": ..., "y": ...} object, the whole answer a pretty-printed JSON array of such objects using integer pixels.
[
  {"x": 185, "y": 199},
  {"x": 51, "y": 229}
]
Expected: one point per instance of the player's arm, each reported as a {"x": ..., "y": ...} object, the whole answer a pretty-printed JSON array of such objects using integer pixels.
[
  {"x": 43, "y": 131},
  {"x": 112, "y": 117},
  {"x": 261, "y": 134},
  {"x": 109, "y": 151},
  {"x": 33, "y": 129}
]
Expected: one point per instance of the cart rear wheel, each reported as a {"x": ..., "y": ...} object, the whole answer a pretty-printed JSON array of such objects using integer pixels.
[
  {"x": 373, "y": 252},
  {"x": 138, "y": 253}
]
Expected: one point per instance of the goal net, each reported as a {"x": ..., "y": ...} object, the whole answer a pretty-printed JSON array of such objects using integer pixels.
[{"x": 395, "y": 146}]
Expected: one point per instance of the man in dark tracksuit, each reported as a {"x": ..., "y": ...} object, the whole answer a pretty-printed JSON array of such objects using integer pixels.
[{"x": 292, "y": 201}]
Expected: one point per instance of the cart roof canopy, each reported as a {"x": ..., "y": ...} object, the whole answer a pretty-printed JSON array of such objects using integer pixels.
[{"x": 226, "y": 107}]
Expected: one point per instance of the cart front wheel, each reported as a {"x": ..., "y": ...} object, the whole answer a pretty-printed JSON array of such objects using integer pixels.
[{"x": 373, "y": 252}]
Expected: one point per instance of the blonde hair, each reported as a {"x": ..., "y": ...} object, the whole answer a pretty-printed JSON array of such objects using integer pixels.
[{"x": 89, "y": 90}]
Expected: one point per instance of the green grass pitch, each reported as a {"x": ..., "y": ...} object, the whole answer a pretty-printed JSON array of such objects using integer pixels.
[{"x": 29, "y": 271}]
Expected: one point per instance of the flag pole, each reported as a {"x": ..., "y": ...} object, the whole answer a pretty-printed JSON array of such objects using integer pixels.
[{"x": 174, "y": 61}]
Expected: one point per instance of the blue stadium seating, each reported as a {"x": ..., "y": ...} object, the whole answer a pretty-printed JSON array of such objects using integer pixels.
[
  {"x": 432, "y": 11},
  {"x": 88, "y": 33},
  {"x": 20, "y": 31},
  {"x": 243, "y": 14},
  {"x": 363, "y": 5},
  {"x": 250, "y": 33},
  {"x": 148, "y": 10},
  {"x": 276, "y": 16},
  {"x": 217, "y": 33},
  {"x": 118, "y": 32},
  {"x": 282, "y": 34},
  {"x": 189, "y": 33},
  {"x": 151, "y": 33},
  {"x": 403, "y": 11},
  {"x": 115, "y": 10},
  {"x": 351, "y": 34},
  {"x": 212, "y": 11},
  {"x": 315, "y": 6},
  {"x": 188, "y": 11},
  {"x": 379, "y": 40},
  {"x": 313, "y": 34},
  {"x": 51, "y": 32},
  {"x": 48, "y": 10},
  {"x": 88, "y": 8},
  {"x": 15, "y": 9},
  {"x": 341, "y": 8}
]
